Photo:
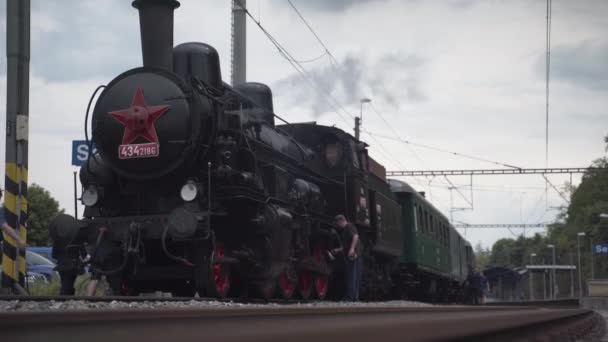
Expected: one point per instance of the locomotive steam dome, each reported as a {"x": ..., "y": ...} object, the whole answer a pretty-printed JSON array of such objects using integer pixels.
[{"x": 143, "y": 124}]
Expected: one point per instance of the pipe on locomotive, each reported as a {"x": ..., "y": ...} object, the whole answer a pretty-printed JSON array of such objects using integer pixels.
[{"x": 156, "y": 29}]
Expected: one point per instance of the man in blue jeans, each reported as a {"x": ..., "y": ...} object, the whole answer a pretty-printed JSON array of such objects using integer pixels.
[{"x": 351, "y": 247}]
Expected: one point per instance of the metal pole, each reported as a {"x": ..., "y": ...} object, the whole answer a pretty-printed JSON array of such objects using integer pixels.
[
  {"x": 17, "y": 108},
  {"x": 571, "y": 277},
  {"x": 592, "y": 261},
  {"x": 531, "y": 286},
  {"x": 545, "y": 284},
  {"x": 75, "y": 198},
  {"x": 239, "y": 42},
  {"x": 553, "y": 274},
  {"x": 578, "y": 255},
  {"x": 531, "y": 280},
  {"x": 500, "y": 287}
]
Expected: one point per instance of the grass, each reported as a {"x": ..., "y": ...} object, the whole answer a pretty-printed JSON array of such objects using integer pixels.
[{"x": 80, "y": 285}]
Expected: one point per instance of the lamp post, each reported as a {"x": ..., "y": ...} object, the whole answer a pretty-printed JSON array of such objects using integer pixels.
[
  {"x": 578, "y": 252},
  {"x": 591, "y": 251},
  {"x": 359, "y": 120},
  {"x": 552, "y": 272},
  {"x": 532, "y": 255}
]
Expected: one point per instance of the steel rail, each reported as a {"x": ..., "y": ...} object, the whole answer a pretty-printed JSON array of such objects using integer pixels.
[
  {"x": 302, "y": 324},
  {"x": 557, "y": 303},
  {"x": 147, "y": 299}
]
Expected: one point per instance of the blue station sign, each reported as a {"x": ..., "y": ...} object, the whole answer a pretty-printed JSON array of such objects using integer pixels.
[
  {"x": 600, "y": 248},
  {"x": 80, "y": 152}
]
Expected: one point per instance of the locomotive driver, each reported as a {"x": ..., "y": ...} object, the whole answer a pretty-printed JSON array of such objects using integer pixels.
[{"x": 353, "y": 260}]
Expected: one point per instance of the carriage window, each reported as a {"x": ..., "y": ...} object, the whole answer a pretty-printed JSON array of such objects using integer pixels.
[
  {"x": 425, "y": 227},
  {"x": 419, "y": 219}
]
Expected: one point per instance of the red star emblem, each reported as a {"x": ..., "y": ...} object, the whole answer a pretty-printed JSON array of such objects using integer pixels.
[{"x": 139, "y": 119}]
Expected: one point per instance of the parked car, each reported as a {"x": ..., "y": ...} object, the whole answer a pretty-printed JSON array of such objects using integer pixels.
[
  {"x": 35, "y": 278},
  {"x": 44, "y": 251},
  {"x": 38, "y": 267},
  {"x": 36, "y": 263}
]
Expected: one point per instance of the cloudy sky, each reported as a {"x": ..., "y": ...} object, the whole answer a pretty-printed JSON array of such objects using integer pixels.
[{"x": 462, "y": 75}]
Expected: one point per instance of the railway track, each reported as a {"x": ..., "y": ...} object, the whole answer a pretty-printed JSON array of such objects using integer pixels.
[
  {"x": 296, "y": 323},
  {"x": 559, "y": 303},
  {"x": 146, "y": 299}
]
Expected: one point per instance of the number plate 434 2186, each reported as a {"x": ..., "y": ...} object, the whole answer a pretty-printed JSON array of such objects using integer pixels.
[{"x": 138, "y": 151}]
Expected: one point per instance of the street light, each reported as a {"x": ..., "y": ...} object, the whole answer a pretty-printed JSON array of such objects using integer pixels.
[
  {"x": 532, "y": 255},
  {"x": 359, "y": 120},
  {"x": 578, "y": 252},
  {"x": 552, "y": 273}
]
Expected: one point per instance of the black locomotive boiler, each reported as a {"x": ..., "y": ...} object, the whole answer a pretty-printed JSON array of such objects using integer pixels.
[{"x": 196, "y": 189}]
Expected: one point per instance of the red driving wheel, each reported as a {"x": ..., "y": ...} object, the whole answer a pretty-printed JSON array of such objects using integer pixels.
[
  {"x": 305, "y": 284},
  {"x": 287, "y": 286},
  {"x": 321, "y": 281},
  {"x": 220, "y": 274}
]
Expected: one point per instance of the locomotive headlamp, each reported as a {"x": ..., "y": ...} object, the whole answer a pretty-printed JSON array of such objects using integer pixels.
[
  {"x": 189, "y": 191},
  {"x": 90, "y": 196}
]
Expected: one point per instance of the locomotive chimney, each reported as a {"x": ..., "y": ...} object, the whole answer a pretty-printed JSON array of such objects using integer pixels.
[{"x": 156, "y": 26}]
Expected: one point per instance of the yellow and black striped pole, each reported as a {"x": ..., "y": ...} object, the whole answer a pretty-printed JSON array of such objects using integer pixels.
[{"x": 17, "y": 108}]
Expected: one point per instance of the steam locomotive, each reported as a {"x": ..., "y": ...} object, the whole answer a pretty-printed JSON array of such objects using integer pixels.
[{"x": 195, "y": 188}]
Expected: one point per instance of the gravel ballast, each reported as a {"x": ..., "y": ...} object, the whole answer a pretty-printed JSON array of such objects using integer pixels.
[{"x": 21, "y": 305}]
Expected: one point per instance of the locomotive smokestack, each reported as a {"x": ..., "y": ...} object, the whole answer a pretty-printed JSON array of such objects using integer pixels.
[{"x": 156, "y": 26}]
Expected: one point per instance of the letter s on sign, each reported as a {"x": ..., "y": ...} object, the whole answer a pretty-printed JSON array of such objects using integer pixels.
[{"x": 82, "y": 152}]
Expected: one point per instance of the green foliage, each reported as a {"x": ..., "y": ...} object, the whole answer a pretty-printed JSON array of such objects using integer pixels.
[
  {"x": 42, "y": 208},
  {"x": 517, "y": 253},
  {"x": 45, "y": 289},
  {"x": 482, "y": 256},
  {"x": 80, "y": 285}
]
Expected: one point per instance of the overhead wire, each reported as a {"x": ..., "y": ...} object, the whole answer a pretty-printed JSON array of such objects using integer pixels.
[
  {"x": 329, "y": 54},
  {"x": 336, "y": 106},
  {"x": 296, "y": 64},
  {"x": 335, "y": 63},
  {"x": 340, "y": 110},
  {"x": 452, "y": 186},
  {"x": 437, "y": 149},
  {"x": 412, "y": 151},
  {"x": 394, "y": 131},
  {"x": 547, "y": 73},
  {"x": 557, "y": 190},
  {"x": 310, "y": 60},
  {"x": 548, "y": 69}
]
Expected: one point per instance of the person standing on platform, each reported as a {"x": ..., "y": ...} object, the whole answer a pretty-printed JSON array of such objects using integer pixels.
[{"x": 351, "y": 248}]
